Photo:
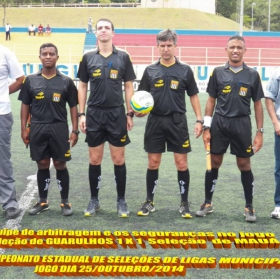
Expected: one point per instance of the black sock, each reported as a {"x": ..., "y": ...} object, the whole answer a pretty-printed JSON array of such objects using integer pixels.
[
  {"x": 120, "y": 177},
  {"x": 63, "y": 180},
  {"x": 94, "y": 174},
  {"x": 210, "y": 183},
  {"x": 43, "y": 180},
  {"x": 151, "y": 183},
  {"x": 247, "y": 180},
  {"x": 184, "y": 182}
]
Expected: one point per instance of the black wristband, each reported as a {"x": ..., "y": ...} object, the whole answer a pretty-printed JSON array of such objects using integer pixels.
[
  {"x": 81, "y": 114},
  {"x": 130, "y": 114},
  {"x": 200, "y": 121},
  {"x": 206, "y": 127},
  {"x": 77, "y": 132}
]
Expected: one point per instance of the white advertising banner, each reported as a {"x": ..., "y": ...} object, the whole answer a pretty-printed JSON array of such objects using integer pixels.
[{"x": 201, "y": 73}]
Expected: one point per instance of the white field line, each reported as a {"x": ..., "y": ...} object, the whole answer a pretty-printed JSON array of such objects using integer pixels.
[{"x": 24, "y": 203}]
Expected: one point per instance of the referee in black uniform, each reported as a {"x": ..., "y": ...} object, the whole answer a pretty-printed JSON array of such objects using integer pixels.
[
  {"x": 167, "y": 80},
  {"x": 44, "y": 95},
  {"x": 232, "y": 87},
  {"x": 105, "y": 69}
]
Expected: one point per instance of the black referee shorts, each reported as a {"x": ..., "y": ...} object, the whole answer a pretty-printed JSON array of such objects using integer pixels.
[
  {"x": 108, "y": 124},
  {"x": 164, "y": 130},
  {"x": 236, "y": 132},
  {"x": 50, "y": 140}
]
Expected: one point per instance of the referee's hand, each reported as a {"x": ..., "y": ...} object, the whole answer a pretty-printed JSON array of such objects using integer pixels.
[
  {"x": 197, "y": 130},
  {"x": 140, "y": 115},
  {"x": 73, "y": 139},
  {"x": 82, "y": 124}
]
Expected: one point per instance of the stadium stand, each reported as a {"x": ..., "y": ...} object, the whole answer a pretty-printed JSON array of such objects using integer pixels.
[
  {"x": 70, "y": 46},
  {"x": 90, "y": 42},
  {"x": 195, "y": 47}
]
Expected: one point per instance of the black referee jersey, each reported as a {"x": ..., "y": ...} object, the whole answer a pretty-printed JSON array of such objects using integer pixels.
[
  {"x": 234, "y": 90},
  {"x": 168, "y": 85},
  {"x": 48, "y": 97},
  {"x": 106, "y": 75}
]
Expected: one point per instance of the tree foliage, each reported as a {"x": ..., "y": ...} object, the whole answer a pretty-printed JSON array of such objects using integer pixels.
[{"x": 231, "y": 9}]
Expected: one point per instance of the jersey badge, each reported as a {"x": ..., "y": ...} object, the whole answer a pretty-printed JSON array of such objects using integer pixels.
[
  {"x": 56, "y": 97},
  {"x": 96, "y": 73},
  {"x": 39, "y": 95},
  {"x": 123, "y": 138},
  {"x": 114, "y": 74},
  {"x": 159, "y": 83},
  {"x": 67, "y": 154},
  {"x": 243, "y": 91},
  {"x": 174, "y": 84},
  {"x": 227, "y": 89},
  {"x": 186, "y": 144}
]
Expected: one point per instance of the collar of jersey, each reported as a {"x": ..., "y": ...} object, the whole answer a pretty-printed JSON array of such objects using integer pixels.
[
  {"x": 57, "y": 73},
  {"x": 176, "y": 61},
  {"x": 114, "y": 49},
  {"x": 228, "y": 66}
]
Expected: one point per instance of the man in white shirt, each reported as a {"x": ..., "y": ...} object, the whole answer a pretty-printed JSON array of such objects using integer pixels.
[
  {"x": 272, "y": 102},
  {"x": 9, "y": 67},
  {"x": 8, "y": 31},
  {"x": 32, "y": 29}
]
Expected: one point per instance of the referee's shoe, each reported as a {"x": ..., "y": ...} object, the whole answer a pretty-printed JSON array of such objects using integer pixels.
[
  {"x": 38, "y": 208},
  {"x": 146, "y": 208},
  {"x": 122, "y": 209},
  {"x": 249, "y": 214},
  {"x": 185, "y": 211},
  {"x": 93, "y": 207},
  {"x": 66, "y": 209}
]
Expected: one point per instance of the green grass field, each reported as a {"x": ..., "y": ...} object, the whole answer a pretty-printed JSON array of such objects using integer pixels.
[{"x": 228, "y": 202}]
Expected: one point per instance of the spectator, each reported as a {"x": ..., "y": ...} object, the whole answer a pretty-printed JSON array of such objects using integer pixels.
[
  {"x": 90, "y": 25},
  {"x": 40, "y": 30},
  {"x": 48, "y": 30},
  {"x": 32, "y": 29},
  {"x": 8, "y": 31}
]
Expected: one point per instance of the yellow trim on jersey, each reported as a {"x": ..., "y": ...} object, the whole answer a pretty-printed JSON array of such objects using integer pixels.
[
  {"x": 48, "y": 78},
  {"x": 235, "y": 71},
  {"x": 167, "y": 65}
]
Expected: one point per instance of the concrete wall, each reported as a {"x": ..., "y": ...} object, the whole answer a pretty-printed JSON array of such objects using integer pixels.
[{"x": 206, "y": 6}]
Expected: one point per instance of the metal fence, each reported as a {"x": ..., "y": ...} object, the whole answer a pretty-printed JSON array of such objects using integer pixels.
[{"x": 147, "y": 55}]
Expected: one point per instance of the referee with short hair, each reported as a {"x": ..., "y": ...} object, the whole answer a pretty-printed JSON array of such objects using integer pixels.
[
  {"x": 231, "y": 88},
  {"x": 45, "y": 95},
  {"x": 105, "y": 69},
  {"x": 168, "y": 80}
]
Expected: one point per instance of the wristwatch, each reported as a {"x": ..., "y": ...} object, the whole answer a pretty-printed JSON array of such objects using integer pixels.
[
  {"x": 206, "y": 127},
  {"x": 81, "y": 114},
  {"x": 261, "y": 130},
  {"x": 200, "y": 121},
  {"x": 130, "y": 114},
  {"x": 77, "y": 132}
]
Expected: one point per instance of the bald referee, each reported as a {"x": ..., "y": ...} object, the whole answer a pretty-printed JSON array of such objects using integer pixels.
[
  {"x": 106, "y": 68},
  {"x": 168, "y": 80},
  {"x": 231, "y": 88}
]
